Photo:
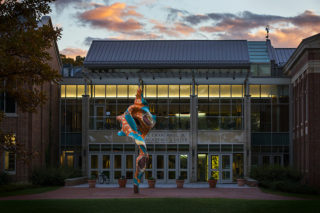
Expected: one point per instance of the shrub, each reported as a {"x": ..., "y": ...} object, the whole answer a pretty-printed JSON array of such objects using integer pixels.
[
  {"x": 282, "y": 179},
  {"x": 53, "y": 176},
  {"x": 4, "y": 178}
]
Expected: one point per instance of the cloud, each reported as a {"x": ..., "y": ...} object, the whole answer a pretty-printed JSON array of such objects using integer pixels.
[
  {"x": 173, "y": 30},
  {"x": 73, "y": 52},
  {"x": 117, "y": 17},
  {"x": 61, "y": 4},
  {"x": 284, "y": 31}
]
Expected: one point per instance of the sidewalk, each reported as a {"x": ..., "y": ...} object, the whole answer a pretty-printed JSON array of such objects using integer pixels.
[{"x": 161, "y": 191}]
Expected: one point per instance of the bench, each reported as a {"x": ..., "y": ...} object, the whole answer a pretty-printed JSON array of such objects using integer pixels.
[{"x": 75, "y": 181}]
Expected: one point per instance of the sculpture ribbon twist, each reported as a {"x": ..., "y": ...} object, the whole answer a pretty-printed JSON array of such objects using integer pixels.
[{"x": 136, "y": 122}]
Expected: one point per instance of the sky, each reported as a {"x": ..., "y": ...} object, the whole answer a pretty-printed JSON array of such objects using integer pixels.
[{"x": 82, "y": 21}]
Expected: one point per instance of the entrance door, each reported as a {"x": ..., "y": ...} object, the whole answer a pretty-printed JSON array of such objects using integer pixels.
[
  {"x": 202, "y": 171},
  {"x": 226, "y": 168},
  {"x": 160, "y": 170},
  {"x": 220, "y": 167}
]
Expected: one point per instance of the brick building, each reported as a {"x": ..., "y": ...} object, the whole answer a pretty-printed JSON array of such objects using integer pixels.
[
  {"x": 38, "y": 131},
  {"x": 304, "y": 69}
]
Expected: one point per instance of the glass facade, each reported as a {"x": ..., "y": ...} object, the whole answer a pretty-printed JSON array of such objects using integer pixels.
[
  {"x": 220, "y": 108},
  {"x": 270, "y": 124}
]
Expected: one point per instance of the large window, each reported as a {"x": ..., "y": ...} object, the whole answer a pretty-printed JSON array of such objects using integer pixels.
[
  {"x": 10, "y": 155},
  {"x": 269, "y": 123},
  {"x": 170, "y": 103},
  {"x": 220, "y": 107},
  {"x": 7, "y": 103}
]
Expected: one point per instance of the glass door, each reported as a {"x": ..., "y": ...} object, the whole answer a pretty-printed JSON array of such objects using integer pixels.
[
  {"x": 214, "y": 167},
  {"x": 149, "y": 167},
  {"x": 106, "y": 162},
  {"x": 226, "y": 168},
  {"x": 183, "y": 166},
  {"x": 220, "y": 167},
  {"x": 202, "y": 171},
  {"x": 129, "y": 166},
  {"x": 171, "y": 167},
  {"x": 117, "y": 162},
  {"x": 160, "y": 168}
]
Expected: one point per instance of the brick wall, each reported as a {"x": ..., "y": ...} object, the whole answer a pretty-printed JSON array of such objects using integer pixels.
[{"x": 38, "y": 131}]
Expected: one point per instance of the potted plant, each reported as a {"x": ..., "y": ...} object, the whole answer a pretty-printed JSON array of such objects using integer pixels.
[
  {"x": 122, "y": 182},
  {"x": 92, "y": 181},
  {"x": 151, "y": 182},
  {"x": 212, "y": 182},
  {"x": 240, "y": 180},
  {"x": 180, "y": 182}
]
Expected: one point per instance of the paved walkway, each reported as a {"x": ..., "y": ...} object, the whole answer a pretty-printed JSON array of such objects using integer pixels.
[{"x": 190, "y": 191}]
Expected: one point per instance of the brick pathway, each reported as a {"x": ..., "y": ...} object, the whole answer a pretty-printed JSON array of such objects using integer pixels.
[{"x": 101, "y": 193}]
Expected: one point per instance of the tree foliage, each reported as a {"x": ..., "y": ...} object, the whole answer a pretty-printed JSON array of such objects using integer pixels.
[
  {"x": 24, "y": 58},
  {"x": 24, "y": 44},
  {"x": 66, "y": 60}
]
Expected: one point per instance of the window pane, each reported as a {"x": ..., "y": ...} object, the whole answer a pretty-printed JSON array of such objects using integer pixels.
[
  {"x": 122, "y": 91},
  {"x": 214, "y": 91},
  {"x": 71, "y": 91},
  {"x": 133, "y": 90},
  {"x": 63, "y": 91},
  {"x": 185, "y": 91},
  {"x": 172, "y": 162},
  {"x": 94, "y": 161},
  {"x": 269, "y": 91},
  {"x": 111, "y": 91},
  {"x": 183, "y": 161},
  {"x": 225, "y": 91},
  {"x": 237, "y": 91},
  {"x": 203, "y": 91},
  {"x": 117, "y": 161},
  {"x": 129, "y": 161},
  {"x": 10, "y": 104},
  {"x": 160, "y": 162},
  {"x": 162, "y": 91},
  {"x": 99, "y": 91},
  {"x": 106, "y": 162},
  {"x": 80, "y": 91},
  {"x": 151, "y": 91},
  {"x": 174, "y": 91},
  {"x": 255, "y": 91}
]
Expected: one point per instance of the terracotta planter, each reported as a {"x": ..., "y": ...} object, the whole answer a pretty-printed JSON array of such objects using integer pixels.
[
  {"x": 212, "y": 183},
  {"x": 92, "y": 183},
  {"x": 241, "y": 182},
  {"x": 179, "y": 183},
  {"x": 122, "y": 183},
  {"x": 151, "y": 183}
]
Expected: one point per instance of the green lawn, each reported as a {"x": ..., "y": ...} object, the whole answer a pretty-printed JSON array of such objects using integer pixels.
[
  {"x": 161, "y": 205},
  {"x": 23, "y": 189}
]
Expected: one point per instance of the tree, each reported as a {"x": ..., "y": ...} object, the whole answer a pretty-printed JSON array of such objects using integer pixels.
[
  {"x": 78, "y": 62},
  {"x": 24, "y": 56}
]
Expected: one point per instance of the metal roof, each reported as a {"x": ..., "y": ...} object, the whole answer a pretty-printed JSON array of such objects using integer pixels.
[
  {"x": 283, "y": 55},
  {"x": 258, "y": 52},
  {"x": 167, "y": 53}
]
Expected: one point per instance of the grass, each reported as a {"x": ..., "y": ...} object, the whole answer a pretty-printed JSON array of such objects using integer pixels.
[
  {"x": 23, "y": 189},
  {"x": 304, "y": 196},
  {"x": 155, "y": 205}
]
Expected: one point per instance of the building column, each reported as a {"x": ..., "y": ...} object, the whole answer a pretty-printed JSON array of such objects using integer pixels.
[
  {"x": 85, "y": 128},
  {"x": 291, "y": 102},
  {"x": 247, "y": 129},
  {"x": 193, "y": 150}
]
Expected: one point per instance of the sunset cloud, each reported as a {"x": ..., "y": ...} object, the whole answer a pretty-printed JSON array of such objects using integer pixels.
[
  {"x": 284, "y": 31},
  {"x": 117, "y": 17},
  {"x": 73, "y": 52}
]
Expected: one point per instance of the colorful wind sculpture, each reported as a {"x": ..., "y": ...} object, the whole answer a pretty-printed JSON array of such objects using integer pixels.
[{"x": 136, "y": 122}]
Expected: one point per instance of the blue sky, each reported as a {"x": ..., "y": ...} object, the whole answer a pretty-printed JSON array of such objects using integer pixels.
[{"x": 85, "y": 20}]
